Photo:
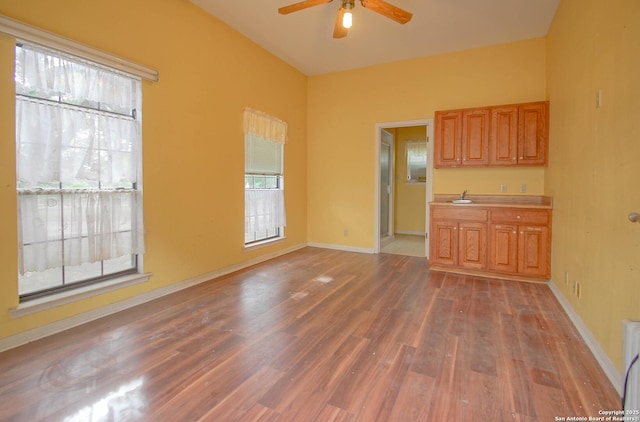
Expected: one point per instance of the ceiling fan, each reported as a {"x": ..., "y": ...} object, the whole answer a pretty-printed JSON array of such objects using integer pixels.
[{"x": 344, "y": 17}]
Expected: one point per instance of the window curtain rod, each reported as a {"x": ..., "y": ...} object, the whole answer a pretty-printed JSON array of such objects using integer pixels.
[{"x": 31, "y": 34}]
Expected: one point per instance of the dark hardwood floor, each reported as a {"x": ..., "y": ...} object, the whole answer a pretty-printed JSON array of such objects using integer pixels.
[{"x": 317, "y": 335}]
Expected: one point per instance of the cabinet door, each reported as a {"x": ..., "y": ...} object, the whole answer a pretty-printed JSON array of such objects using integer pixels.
[
  {"x": 475, "y": 137},
  {"x": 533, "y": 251},
  {"x": 503, "y": 248},
  {"x": 448, "y": 139},
  {"x": 472, "y": 252},
  {"x": 533, "y": 133},
  {"x": 503, "y": 138},
  {"x": 444, "y": 243}
]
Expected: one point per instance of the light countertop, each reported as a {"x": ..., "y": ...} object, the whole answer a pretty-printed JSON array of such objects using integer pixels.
[{"x": 510, "y": 201}]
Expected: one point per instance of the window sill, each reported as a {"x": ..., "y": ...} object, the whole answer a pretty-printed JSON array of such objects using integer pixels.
[
  {"x": 258, "y": 245},
  {"x": 63, "y": 298}
]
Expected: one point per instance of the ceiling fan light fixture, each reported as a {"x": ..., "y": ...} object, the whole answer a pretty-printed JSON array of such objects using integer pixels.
[
  {"x": 347, "y": 19},
  {"x": 347, "y": 16}
]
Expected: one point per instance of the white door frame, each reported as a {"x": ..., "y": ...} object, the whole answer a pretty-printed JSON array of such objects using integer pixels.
[{"x": 429, "y": 185}]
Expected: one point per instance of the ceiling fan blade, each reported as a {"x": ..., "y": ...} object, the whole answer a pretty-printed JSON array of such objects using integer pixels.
[
  {"x": 340, "y": 31},
  {"x": 301, "y": 5},
  {"x": 388, "y": 10}
]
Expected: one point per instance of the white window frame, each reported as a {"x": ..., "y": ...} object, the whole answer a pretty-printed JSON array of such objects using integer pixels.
[{"x": 105, "y": 281}]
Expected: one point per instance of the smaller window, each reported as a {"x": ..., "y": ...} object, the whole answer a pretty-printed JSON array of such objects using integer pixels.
[
  {"x": 416, "y": 161},
  {"x": 264, "y": 211}
]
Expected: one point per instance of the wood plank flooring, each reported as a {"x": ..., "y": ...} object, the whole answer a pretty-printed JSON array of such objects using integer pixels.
[{"x": 317, "y": 335}]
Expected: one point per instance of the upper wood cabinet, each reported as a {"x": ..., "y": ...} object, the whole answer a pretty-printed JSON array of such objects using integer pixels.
[
  {"x": 475, "y": 137},
  {"x": 448, "y": 135},
  {"x": 533, "y": 133},
  {"x": 506, "y": 135}
]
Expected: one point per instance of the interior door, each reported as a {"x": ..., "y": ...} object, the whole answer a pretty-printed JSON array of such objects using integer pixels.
[{"x": 386, "y": 184}]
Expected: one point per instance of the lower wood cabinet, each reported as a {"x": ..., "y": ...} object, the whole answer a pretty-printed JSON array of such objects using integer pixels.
[
  {"x": 519, "y": 241},
  {"x": 460, "y": 244},
  {"x": 501, "y": 240},
  {"x": 519, "y": 249}
]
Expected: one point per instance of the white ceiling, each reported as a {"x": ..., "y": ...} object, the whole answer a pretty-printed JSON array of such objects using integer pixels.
[{"x": 304, "y": 38}]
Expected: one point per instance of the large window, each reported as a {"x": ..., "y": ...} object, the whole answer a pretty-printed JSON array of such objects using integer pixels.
[
  {"x": 263, "y": 180},
  {"x": 78, "y": 152}
]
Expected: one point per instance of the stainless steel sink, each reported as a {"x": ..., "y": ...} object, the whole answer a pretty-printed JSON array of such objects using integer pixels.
[{"x": 462, "y": 201}]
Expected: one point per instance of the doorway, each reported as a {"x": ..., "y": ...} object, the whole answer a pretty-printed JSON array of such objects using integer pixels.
[{"x": 403, "y": 190}]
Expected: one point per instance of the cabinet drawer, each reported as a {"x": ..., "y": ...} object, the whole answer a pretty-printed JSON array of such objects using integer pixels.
[
  {"x": 520, "y": 216},
  {"x": 460, "y": 213}
]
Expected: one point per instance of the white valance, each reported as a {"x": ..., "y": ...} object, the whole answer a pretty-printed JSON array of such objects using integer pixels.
[{"x": 261, "y": 125}]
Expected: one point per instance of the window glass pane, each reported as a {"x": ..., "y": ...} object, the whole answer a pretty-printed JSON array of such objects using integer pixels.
[
  {"x": 416, "y": 161},
  {"x": 116, "y": 265},
  {"x": 40, "y": 280},
  {"x": 271, "y": 182},
  {"x": 74, "y": 273}
]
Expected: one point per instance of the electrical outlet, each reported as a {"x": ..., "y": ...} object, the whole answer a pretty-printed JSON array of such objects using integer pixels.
[
  {"x": 577, "y": 290},
  {"x": 566, "y": 278},
  {"x": 523, "y": 188},
  {"x": 503, "y": 187},
  {"x": 346, "y": 232}
]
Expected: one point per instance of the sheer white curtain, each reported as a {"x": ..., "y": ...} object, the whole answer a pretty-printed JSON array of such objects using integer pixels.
[
  {"x": 264, "y": 140},
  {"x": 78, "y": 161},
  {"x": 264, "y": 210}
]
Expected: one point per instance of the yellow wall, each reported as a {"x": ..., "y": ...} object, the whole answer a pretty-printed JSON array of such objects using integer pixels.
[
  {"x": 193, "y": 145},
  {"x": 595, "y": 154},
  {"x": 487, "y": 181},
  {"x": 410, "y": 198},
  {"x": 345, "y": 107}
]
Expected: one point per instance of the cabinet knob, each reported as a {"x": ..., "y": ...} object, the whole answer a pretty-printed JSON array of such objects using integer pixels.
[
  {"x": 514, "y": 232},
  {"x": 521, "y": 232},
  {"x": 518, "y": 217},
  {"x": 522, "y": 158},
  {"x": 513, "y": 158}
]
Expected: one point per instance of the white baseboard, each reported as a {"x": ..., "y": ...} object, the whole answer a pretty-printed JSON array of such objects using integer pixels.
[
  {"x": 605, "y": 363},
  {"x": 76, "y": 320},
  {"x": 341, "y": 247},
  {"x": 411, "y": 232}
]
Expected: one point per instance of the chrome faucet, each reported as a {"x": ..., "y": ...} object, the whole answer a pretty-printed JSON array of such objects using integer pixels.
[{"x": 464, "y": 192}]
